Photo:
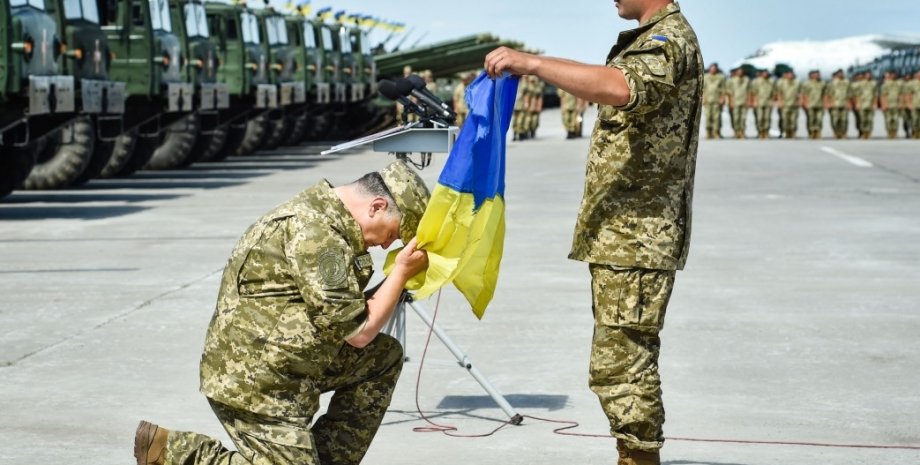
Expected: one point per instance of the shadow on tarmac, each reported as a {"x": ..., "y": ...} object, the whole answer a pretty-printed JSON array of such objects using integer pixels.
[
  {"x": 81, "y": 196},
  {"x": 691, "y": 462},
  {"x": 543, "y": 401},
  {"x": 66, "y": 212}
]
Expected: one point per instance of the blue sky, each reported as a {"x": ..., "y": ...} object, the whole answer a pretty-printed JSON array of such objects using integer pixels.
[{"x": 584, "y": 30}]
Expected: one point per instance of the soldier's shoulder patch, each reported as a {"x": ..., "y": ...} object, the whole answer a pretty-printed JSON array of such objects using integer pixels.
[
  {"x": 333, "y": 271},
  {"x": 659, "y": 38}
]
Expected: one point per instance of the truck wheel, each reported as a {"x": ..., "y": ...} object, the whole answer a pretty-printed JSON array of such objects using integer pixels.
[
  {"x": 120, "y": 151},
  {"x": 298, "y": 130},
  {"x": 144, "y": 147},
  {"x": 256, "y": 129},
  {"x": 209, "y": 145},
  {"x": 232, "y": 140},
  {"x": 15, "y": 165},
  {"x": 63, "y": 161},
  {"x": 176, "y": 149},
  {"x": 278, "y": 131}
]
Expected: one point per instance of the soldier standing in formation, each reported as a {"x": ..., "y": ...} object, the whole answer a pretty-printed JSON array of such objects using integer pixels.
[
  {"x": 520, "y": 109},
  {"x": 904, "y": 103},
  {"x": 813, "y": 103},
  {"x": 761, "y": 90},
  {"x": 293, "y": 321},
  {"x": 736, "y": 92},
  {"x": 837, "y": 102},
  {"x": 788, "y": 102},
  {"x": 865, "y": 98},
  {"x": 534, "y": 106},
  {"x": 713, "y": 99},
  {"x": 572, "y": 110},
  {"x": 460, "y": 106},
  {"x": 889, "y": 101},
  {"x": 912, "y": 103}
]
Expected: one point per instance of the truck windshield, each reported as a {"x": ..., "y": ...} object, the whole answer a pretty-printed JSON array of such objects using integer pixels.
[
  {"x": 250, "y": 26},
  {"x": 81, "y": 9},
  {"x": 309, "y": 39},
  {"x": 280, "y": 32},
  {"x": 159, "y": 15},
  {"x": 40, "y": 4},
  {"x": 343, "y": 39},
  {"x": 327, "y": 39},
  {"x": 196, "y": 23}
]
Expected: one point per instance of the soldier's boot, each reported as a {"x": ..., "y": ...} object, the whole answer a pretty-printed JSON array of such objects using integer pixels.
[
  {"x": 636, "y": 457},
  {"x": 150, "y": 444},
  {"x": 892, "y": 134},
  {"x": 709, "y": 133}
]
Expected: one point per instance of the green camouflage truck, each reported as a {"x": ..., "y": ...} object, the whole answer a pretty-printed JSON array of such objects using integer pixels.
[{"x": 35, "y": 96}]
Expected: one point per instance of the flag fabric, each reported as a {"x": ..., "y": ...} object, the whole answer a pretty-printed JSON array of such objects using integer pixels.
[{"x": 463, "y": 228}]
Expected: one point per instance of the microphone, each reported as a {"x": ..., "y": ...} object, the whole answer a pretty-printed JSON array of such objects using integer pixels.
[
  {"x": 433, "y": 103},
  {"x": 390, "y": 90},
  {"x": 419, "y": 84}
]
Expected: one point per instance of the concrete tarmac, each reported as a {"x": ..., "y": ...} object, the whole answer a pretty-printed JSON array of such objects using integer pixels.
[{"x": 795, "y": 321}]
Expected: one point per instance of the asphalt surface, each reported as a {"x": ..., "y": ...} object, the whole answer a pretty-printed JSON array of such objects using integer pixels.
[{"x": 794, "y": 322}]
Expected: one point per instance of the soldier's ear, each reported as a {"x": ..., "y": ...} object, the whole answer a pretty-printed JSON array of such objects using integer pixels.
[{"x": 377, "y": 205}]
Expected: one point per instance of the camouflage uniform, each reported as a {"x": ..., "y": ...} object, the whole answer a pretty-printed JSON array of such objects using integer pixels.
[
  {"x": 913, "y": 104},
  {"x": 713, "y": 96},
  {"x": 813, "y": 102},
  {"x": 460, "y": 107},
  {"x": 535, "y": 106},
  {"x": 571, "y": 113},
  {"x": 291, "y": 293},
  {"x": 521, "y": 102},
  {"x": 889, "y": 99},
  {"x": 836, "y": 95},
  {"x": 865, "y": 98},
  {"x": 905, "y": 102},
  {"x": 788, "y": 101},
  {"x": 633, "y": 226},
  {"x": 761, "y": 96},
  {"x": 736, "y": 89}
]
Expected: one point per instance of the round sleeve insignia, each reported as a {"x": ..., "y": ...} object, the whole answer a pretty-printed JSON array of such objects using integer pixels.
[{"x": 332, "y": 270}]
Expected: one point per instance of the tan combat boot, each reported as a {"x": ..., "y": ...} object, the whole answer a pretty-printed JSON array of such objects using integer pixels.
[
  {"x": 150, "y": 444},
  {"x": 636, "y": 457}
]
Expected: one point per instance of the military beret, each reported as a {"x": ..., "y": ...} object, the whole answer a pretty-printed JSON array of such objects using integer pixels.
[{"x": 410, "y": 193}]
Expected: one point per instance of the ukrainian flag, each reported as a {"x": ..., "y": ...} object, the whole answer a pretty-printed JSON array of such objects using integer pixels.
[{"x": 463, "y": 228}]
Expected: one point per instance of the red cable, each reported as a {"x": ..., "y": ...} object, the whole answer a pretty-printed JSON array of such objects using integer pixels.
[{"x": 450, "y": 430}]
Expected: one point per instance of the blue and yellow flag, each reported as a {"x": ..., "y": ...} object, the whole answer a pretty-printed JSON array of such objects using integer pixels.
[{"x": 463, "y": 228}]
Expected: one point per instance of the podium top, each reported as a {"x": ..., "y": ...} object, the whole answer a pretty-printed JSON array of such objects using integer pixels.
[{"x": 408, "y": 138}]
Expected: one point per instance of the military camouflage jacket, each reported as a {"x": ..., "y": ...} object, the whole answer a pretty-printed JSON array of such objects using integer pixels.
[
  {"x": 736, "y": 89},
  {"x": 291, "y": 293},
  {"x": 762, "y": 91},
  {"x": 787, "y": 92},
  {"x": 837, "y": 92},
  {"x": 639, "y": 182},
  {"x": 890, "y": 93},
  {"x": 813, "y": 93},
  {"x": 865, "y": 94},
  {"x": 713, "y": 88}
]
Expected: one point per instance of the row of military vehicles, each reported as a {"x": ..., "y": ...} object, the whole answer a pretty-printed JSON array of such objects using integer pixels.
[{"x": 103, "y": 88}]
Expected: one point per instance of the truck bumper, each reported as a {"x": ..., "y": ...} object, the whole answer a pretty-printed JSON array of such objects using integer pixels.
[
  {"x": 102, "y": 96},
  {"x": 180, "y": 96},
  {"x": 293, "y": 92},
  {"x": 266, "y": 96},
  {"x": 51, "y": 94}
]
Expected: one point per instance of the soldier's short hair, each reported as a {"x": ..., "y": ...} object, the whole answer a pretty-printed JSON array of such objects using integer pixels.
[{"x": 372, "y": 184}]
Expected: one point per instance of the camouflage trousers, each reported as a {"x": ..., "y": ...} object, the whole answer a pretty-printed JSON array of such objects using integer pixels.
[
  {"x": 713, "y": 117},
  {"x": 518, "y": 121},
  {"x": 629, "y": 309},
  {"x": 789, "y": 121},
  {"x": 532, "y": 121},
  {"x": 362, "y": 380},
  {"x": 461, "y": 117},
  {"x": 892, "y": 118},
  {"x": 570, "y": 120},
  {"x": 763, "y": 116},
  {"x": 814, "y": 118},
  {"x": 739, "y": 118},
  {"x": 865, "y": 120},
  {"x": 915, "y": 123},
  {"x": 839, "y": 121}
]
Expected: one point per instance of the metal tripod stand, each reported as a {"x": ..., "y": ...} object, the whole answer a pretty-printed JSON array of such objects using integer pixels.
[{"x": 396, "y": 327}]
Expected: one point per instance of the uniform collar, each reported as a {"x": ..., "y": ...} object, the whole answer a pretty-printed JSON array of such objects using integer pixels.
[
  {"x": 322, "y": 195},
  {"x": 669, "y": 9}
]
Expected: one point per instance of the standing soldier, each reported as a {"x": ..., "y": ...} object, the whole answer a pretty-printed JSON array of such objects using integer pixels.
[
  {"x": 913, "y": 104},
  {"x": 905, "y": 104},
  {"x": 713, "y": 99},
  {"x": 788, "y": 101},
  {"x": 572, "y": 108},
  {"x": 535, "y": 107},
  {"x": 460, "y": 107},
  {"x": 837, "y": 102},
  {"x": 736, "y": 90},
  {"x": 865, "y": 99},
  {"x": 520, "y": 106},
  {"x": 761, "y": 90},
  {"x": 889, "y": 102},
  {"x": 813, "y": 103}
]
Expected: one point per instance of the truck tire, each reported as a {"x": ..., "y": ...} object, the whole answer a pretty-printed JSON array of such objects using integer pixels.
[
  {"x": 256, "y": 130},
  {"x": 144, "y": 146},
  {"x": 298, "y": 131},
  {"x": 278, "y": 131},
  {"x": 232, "y": 140},
  {"x": 120, "y": 151},
  {"x": 15, "y": 165},
  {"x": 176, "y": 149},
  {"x": 62, "y": 162},
  {"x": 209, "y": 145}
]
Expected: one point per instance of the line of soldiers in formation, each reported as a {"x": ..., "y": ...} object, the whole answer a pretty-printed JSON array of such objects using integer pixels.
[{"x": 897, "y": 97}]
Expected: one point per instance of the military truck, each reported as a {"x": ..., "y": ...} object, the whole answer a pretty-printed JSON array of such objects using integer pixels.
[
  {"x": 150, "y": 58},
  {"x": 178, "y": 148},
  {"x": 236, "y": 33},
  {"x": 35, "y": 97},
  {"x": 69, "y": 155}
]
